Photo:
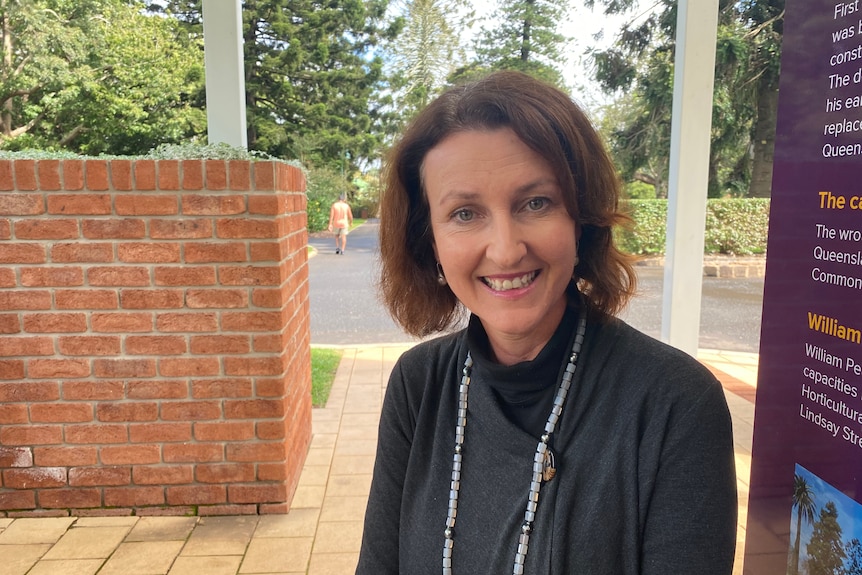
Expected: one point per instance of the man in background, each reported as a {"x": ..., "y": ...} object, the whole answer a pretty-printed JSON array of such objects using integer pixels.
[{"x": 340, "y": 220}]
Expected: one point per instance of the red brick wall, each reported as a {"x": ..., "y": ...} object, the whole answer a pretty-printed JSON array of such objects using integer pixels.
[{"x": 154, "y": 336}]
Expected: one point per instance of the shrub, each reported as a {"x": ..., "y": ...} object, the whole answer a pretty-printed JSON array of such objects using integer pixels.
[{"x": 323, "y": 187}]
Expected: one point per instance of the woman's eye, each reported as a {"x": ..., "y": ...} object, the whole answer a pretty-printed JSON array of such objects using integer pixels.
[
  {"x": 536, "y": 204},
  {"x": 463, "y": 215}
]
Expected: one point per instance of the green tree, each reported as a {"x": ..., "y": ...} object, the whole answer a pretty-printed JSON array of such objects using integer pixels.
[
  {"x": 521, "y": 35},
  {"x": 94, "y": 76},
  {"x": 853, "y": 566},
  {"x": 825, "y": 549},
  {"x": 640, "y": 64},
  {"x": 312, "y": 76},
  {"x": 803, "y": 502}
]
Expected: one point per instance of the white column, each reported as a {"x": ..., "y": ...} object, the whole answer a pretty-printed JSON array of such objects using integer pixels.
[
  {"x": 694, "y": 71},
  {"x": 225, "y": 75}
]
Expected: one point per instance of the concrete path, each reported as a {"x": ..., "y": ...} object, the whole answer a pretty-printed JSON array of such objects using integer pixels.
[{"x": 321, "y": 534}]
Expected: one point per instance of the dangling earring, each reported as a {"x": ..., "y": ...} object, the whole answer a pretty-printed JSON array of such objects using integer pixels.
[{"x": 441, "y": 279}]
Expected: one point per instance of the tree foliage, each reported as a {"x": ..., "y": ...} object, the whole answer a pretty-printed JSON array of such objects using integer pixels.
[
  {"x": 639, "y": 67},
  {"x": 803, "y": 502},
  {"x": 825, "y": 549},
  {"x": 94, "y": 76}
]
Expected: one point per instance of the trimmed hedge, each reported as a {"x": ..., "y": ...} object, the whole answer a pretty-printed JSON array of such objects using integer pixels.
[{"x": 736, "y": 226}]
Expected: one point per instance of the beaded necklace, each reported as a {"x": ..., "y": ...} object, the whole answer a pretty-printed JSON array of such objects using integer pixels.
[{"x": 544, "y": 467}]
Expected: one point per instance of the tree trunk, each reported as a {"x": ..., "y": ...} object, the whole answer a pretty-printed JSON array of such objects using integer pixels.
[{"x": 763, "y": 140}]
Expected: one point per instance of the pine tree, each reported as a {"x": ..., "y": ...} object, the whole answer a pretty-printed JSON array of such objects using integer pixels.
[{"x": 825, "y": 549}]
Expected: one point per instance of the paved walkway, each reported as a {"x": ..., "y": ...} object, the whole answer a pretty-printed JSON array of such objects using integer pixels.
[{"x": 321, "y": 534}]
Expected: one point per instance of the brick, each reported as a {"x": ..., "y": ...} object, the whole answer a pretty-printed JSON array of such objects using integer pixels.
[
  {"x": 90, "y": 390},
  {"x": 190, "y": 410},
  {"x": 29, "y": 391},
  {"x": 134, "y": 496},
  {"x": 53, "y": 229},
  {"x": 146, "y": 205},
  {"x": 196, "y": 495},
  {"x": 96, "y": 434},
  {"x": 11, "y": 346},
  {"x": 86, "y": 299},
  {"x": 127, "y": 411},
  {"x": 246, "y": 229},
  {"x": 120, "y": 276},
  {"x": 144, "y": 174},
  {"x": 191, "y": 367},
  {"x": 264, "y": 176},
  {"x": 268, "y": 343},
  {"x": 21, "y": 204},
  {"x": 193, "y": 174},
  {"x": 7, "y": 178},
  {"x": 270, "y": 387},
  {"x": 121, "y": 174},
  {"x": 83, "y": 252},
  {"x": 112, "y": 475},
  {"x": 15, "y": 457},
  {"x": 25, "y": 175},
  {"x": 16, "y": 500},
  {"x": 65, "y": 456},
  {"x": 31, "y": 435},
  {"x": 181, "y": 229},
  {"x": 265, "y": 252},
  {"x": 197, "y": 253},
  {"x": 73, "y": 175},
  {"x": 225, "y": 473},
  {"x": 221, "y": 388},
  {"x": 158, "y": 389},
  {"x": 163, "y": 474},
  {"x": 193, "y": 452},
  {"x": 253, "y": 366},
  {"x": 131, "y": 322},
  {"x": 216, "y": 174},
  {"x": 155, "y": 345},
  {"x": 120, "y": 229},
  {"x": 35, "y": 478},
  {"x": 96, "y": 175},
  {"x": 224, "y": 431},
  {"x": 152, "y": 299},
  {"x": 61, "y": 412},
  {"x": 266, "y": 205},
  {"x": 257, "y": 493},
  {"x": 186, "y": 322},
  {"x": 119, "y": 368},
  {"x": 9, "y": 323},
  {"x": 79, "y": 204},
  {"x": 250, "y": 275},
  {"x": 54, "y": 322},
  {"x": 219, "y": 344},
  {"x": 239, "y": 175},
  {"x": 251, "y": 321},
  {"x": 160, "y": 432},
  {"x": 253, "y": 409},
  {"x": 212, "y": 205},
  {"x": 89, "y": 345},
  {"x": 48, "y": 173},
  {"x": 255, "y": 451},
  {"x": 271, "y": 472},
  {"x": 148, "y": 252},
  {"x": 217, "y": 298},
  {"x": 20, "y": 253},
  {"x": 11, "y": 369},
  {"x": 5, "y": 229},
  {"x": 59, "y": 368},
  {"x": 51, "y": 276},
  {"x": 77, "y": 498},
  {"x": 270, "y": 430},
  {"x": 130, "y": 454},
  {"x": 168, "y": 174},
  {"x": 11, "y": 414},
  {"x": 185, "y": 276}
]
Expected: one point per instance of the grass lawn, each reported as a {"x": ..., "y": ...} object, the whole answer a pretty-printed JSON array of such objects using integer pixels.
[{"x": 324, "y": 364}]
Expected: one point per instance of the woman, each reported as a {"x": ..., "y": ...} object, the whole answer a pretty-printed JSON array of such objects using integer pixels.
[{"x": 548, "y": 436}]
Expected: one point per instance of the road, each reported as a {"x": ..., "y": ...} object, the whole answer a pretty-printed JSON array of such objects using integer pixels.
[{"x": 345, "y": 309}]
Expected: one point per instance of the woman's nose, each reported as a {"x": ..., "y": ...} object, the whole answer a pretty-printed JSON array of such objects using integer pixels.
[{"x": 506, "y": 244}]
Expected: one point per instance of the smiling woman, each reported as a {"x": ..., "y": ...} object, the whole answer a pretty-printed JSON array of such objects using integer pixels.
[{"x": 548, "y": 436}]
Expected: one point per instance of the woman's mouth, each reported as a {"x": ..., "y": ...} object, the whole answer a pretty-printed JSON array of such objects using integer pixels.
[{"x": 510, "y": 283}]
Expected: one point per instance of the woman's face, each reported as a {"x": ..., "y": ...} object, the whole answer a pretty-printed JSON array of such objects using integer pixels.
[{"x": 503, "y": 236}]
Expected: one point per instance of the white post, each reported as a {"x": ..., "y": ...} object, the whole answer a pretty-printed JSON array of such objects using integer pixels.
[
  {"x": 225, "y": 75},
  {"x": 694, "y": 72}
]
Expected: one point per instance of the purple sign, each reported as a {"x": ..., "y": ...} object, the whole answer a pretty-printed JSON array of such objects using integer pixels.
[{"x": 804, "y": 512}]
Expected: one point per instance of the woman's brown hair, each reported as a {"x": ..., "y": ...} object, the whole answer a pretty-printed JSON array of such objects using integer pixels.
[{"x": 549, "y": 122}]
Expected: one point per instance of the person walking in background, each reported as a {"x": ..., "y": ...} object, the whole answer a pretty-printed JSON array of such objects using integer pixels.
[{"x": 340, "y": 220}]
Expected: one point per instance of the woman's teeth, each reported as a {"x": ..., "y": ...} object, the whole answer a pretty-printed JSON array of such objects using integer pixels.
[{"x": 514, "y": 283}]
